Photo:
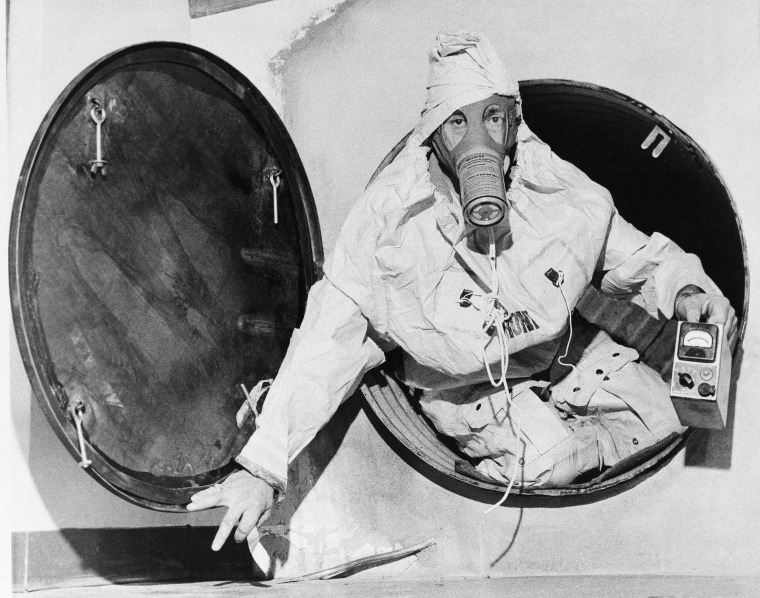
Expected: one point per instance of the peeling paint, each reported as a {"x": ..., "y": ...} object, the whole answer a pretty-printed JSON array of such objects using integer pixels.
[
  {"x": 335, "y": 539},
  {"x": 301, "y": 38},
  {"x": 321, "y": 545}
]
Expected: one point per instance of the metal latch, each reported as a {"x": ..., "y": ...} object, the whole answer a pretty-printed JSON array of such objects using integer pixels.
[
  {"x": 652, "y": 137},
  {"x": 273, "y": 174},
  {"x": 98, "y": 115},
  {"x": 76, "y": 411},
  {"x": 250, "y": 406}
]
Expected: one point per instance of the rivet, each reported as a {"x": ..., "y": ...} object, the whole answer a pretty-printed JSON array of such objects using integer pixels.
[
  {"x": 521, "y": 461},
  {"x": 635, "y": 441},
  {"x": 576, "y": 389}
]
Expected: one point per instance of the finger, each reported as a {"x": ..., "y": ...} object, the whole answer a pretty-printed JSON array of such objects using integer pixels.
[
  {"x": 718, "y": 312},
  {"x": 225, "y": 527},
  {"x": 692, "y": 312},
  {"x": 205, "y": 499},
  {"x": 211, "y": 491},
  {"x": 265, "y": 515},
  {"x": 246, "y": 525}
]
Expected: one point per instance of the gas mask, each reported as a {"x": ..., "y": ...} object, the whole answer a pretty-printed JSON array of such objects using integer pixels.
[{"x": 472, "y": 145}]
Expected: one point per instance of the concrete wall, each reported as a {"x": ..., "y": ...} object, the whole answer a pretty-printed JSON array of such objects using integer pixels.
[{"x": 348, "y": 88}]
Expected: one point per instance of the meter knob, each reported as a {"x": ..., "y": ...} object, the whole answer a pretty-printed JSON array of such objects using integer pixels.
[
  {"x": 706, "y": 389},
  {"x": 685, "y": 380}
]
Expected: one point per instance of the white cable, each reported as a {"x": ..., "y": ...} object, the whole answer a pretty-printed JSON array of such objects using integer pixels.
[
  {"x": 495, "y": 316},
  {"x": 570, "y": 323},
  {"x": 560, "y": 281}
]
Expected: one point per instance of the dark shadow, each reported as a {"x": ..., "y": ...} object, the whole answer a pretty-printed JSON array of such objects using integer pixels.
[
  {"x": 121, "y": 555},
  {"x": 69, "y": 556},
  {"x": 713, "y": 449}
]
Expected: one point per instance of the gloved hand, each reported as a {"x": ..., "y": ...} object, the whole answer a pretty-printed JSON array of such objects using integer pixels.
[
  {"x": 694, "y": 305},
  {"x": 249, "y": 502}
]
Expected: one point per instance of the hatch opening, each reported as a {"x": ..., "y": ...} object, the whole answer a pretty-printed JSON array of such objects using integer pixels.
[{"x": 661, "y": 181}]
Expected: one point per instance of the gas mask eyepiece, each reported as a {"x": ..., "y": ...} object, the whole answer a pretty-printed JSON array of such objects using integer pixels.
[{"x": 472, "y": 145}]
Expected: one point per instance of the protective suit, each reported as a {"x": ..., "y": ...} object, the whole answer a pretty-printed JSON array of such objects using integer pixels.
[{"x": 403, "y": 274}]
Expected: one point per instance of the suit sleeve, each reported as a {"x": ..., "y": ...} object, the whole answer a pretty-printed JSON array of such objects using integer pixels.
[
  {"x": 325, "y": 362},
  {"x": 648, "y": 270}
]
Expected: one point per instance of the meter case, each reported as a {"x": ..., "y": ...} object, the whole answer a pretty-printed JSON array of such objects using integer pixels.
[{"x": 701, "y": 375}]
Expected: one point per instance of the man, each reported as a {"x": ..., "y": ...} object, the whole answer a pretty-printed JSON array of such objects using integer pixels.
[{"x": 475, "y": 279}]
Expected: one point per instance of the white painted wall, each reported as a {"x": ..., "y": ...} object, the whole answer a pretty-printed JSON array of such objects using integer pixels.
[
  {"x": 348, "y": 89},
  {"x": 6, "y": 503},
  {"x": 357, "y": 85}
]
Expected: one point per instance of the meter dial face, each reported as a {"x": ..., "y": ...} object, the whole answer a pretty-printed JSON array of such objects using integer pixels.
[
  {"x": 698, "y": 338},
  {"x": 697, "y": 341}
]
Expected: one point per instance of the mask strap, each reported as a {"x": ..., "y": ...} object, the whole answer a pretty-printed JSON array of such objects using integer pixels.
[{"x": 514, "y": 118}]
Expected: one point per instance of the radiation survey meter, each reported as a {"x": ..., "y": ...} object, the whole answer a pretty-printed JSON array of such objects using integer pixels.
[{"x": 701, "y": 378}]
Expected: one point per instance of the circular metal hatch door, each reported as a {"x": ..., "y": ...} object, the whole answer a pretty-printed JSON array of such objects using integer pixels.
[{"x": 149, "y": 279}]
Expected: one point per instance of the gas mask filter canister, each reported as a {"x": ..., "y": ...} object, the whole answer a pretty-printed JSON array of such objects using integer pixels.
[{"x": 472, "y": 144}]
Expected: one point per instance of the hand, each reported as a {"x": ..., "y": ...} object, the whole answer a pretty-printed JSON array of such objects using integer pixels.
[
  {"x": 249, "y": 502},
  {"x": 716, "y": 308}
]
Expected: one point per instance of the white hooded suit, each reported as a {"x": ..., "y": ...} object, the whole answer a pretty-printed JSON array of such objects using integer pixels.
[{"x": 402, "y": 265}]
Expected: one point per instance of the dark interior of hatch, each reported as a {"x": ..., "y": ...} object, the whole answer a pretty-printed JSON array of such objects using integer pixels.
[{"x": 660, "y": 181}]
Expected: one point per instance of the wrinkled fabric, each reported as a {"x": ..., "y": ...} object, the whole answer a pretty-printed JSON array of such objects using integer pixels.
[
  {"x": 464, "y": 69},
  {"x": 325, "y": 361},
  {"x": 402, "y": 262},
  {"x": 612, "y": 408},
  {"x": 404, "y": 259},
  {"x": 404, "y": 273}
]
